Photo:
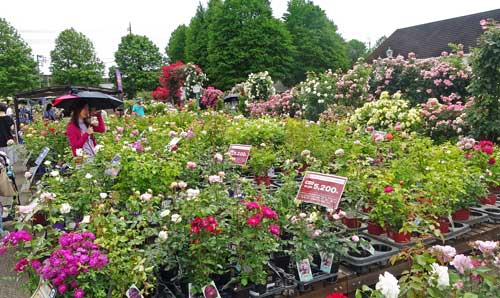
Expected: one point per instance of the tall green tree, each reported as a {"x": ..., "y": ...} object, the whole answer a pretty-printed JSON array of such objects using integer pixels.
[
  {"x": 355, "y": 50},
  {"x": 18, "y": 70},
  {"x": 244, "y": 38},
  {"x": 196, "y": 48},
  {"x": 177, "y": 45},
  {"x": 139, "y": 61},
  {"x": 74, "y": 61},
  {"x": 319, "y": 46}
]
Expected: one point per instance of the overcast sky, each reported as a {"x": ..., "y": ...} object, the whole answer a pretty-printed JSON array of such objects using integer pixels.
[{"x": 105, "y": 21}]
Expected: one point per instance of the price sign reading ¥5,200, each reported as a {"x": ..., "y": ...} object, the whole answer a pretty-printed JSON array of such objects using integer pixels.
[
  {"x": 239, "y": 153},
  {"x": 321, "y": 189}
]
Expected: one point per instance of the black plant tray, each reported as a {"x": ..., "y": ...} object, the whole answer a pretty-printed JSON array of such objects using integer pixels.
[
  {"x": 382, "y": 252},
  {"x": 274, "y": 291},
  {"x": 457, "y": 230},
  {"x": 492, "y": 210},
  {"x": 317, "y": 277},
  {"x": 476, "y": 217},
  {"x": 385, "y": 239}
]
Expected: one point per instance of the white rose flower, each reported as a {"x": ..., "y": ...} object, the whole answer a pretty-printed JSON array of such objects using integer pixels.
[
  {"x": 192, "y": 193},
  {"x": 165, "y": 213},
  {"x": 47, "y": 163},
  {"x": 65, "y": 208},
  {"x": 88, "y": 176},
  {"x": 79, "y": 152},
  {"x": 27, "y": 175},
  {"x": 54, "y": 173},
  {"x": 441, "y": 272},
  {"x": 182, "y": 184},
  {"x": 163, "y": 235},
  {"x": 103, "y": 195},
  {"x": 388, "y": 285},
  {"x": 339, "y": 152},
  {"x": 176, "y": 218},
  {"x": 145, "y": 197}
]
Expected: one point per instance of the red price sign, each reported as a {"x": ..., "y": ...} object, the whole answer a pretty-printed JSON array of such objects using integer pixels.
[
  {"x": 321, "y": 189},
  {"x": 240, "y": 153}
]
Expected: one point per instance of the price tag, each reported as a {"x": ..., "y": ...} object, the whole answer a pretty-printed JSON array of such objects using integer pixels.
[
  {"x": 240, "y": 153},
  {"x": 133, "y": 292},
  {"x": 322, "y": 189},
  {"x": 173, "y": 143},
  {"x": 42, "y": 156}
]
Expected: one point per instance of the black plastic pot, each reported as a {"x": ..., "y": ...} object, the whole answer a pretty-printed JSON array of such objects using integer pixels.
[{"x": 359, "y": 254}]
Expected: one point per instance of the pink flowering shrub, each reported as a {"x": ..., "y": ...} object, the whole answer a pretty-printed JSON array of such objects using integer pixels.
[
  {"x": 420, "y": 79},
  {"x": 278, "y": 105},
  {"x": 78, "y": 254},
  {"x": 210, "y": 96},
  {"x": 353, "y": 87},
  {"x": 443, "y": 121},
  {"x": 13, "y": 239}
]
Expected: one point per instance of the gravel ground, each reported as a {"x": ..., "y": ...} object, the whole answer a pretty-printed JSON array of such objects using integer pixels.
[{"x": 10, "y": 283}]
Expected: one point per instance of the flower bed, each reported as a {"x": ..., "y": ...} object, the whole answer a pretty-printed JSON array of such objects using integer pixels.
[{"x": 183, "y": 213}]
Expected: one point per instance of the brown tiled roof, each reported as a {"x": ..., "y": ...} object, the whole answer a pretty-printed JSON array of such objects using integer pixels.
[{"x": 429, "y": 40}]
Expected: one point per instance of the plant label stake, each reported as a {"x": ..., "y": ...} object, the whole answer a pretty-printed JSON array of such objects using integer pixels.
[
  {"x": 133, "y": 292},
  {"x": 304, "y": 269},
  {"x": 239, "y": 153},
  {"x": 322, "y": 189},
  {"x": 44, "y": 290}
]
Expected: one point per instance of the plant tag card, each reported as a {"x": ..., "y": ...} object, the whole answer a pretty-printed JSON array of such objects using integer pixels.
[
  {"x": 115, "y": 167},
  {"x": 326, "y": 262},
  {"x": 322, "y": 189},
  {"x": 239, "y": 153},
  {"x": 173, "y": 143},
  {"x": 369, "y": 248},
  {"x": 44, "y": 290},
  {"x": 133, "y": 292},
  {"x": 304, "y": 269},
  {"x": 42, "y": 156},
  {"x": 210, "y": 291}
]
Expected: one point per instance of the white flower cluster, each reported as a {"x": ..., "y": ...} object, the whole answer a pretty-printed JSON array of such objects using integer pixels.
[
  {"x": 387, "y": 113},
  {"x": 259, "y": 86}
]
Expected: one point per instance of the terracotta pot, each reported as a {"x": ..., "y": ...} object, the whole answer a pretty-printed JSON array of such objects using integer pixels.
[
  {"x": 266, "y": 180},
  {"x": 489, "y": 200},
  {"x": 375, "y": 229},
  {"x": 367, "y": 209},
  {"x": 399, "y": 237},
  {"x": 352, "y": 223},
  {"x": 461, "y": 214},
  {"x": 444, "y": 225}
]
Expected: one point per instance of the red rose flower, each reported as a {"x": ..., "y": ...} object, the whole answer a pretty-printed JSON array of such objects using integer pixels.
[
  {"x": 336, "y": 295},
  {"x": 389, "y": 137},
  {"x": 492, "y": 161}
]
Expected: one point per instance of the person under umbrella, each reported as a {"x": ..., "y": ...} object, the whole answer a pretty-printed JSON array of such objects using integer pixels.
[
  {"x": 81, "y": 128},
  {"x": 49, "y": 113}
]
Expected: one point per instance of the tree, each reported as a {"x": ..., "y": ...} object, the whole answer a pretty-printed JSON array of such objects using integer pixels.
[
  {"x": 483, "y": 117},
  {"x": 177, "y": 44},
  {"x": 139, "y": 61},
  {"x": 74, "y": 61},
  {"x": 18, "y": 70},
  {"x": 244, "y": 38},
  {"x": 376, "y": 45},
  {"x": 355, "y": 50},
  {"x": 196, "y": 47},
  {"x": 319, "y": 46}
]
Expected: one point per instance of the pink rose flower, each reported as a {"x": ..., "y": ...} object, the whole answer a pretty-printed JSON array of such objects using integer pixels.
[
  {"x": 462, "y": 263},
  {"x": 388, "y": 189},
  {"x": 274, "y": 229}
]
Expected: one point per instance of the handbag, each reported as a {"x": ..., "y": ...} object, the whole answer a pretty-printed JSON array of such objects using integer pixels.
[{"x": 6, "y": 189}]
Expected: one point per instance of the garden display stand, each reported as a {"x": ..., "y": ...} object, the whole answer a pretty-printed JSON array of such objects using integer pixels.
[
  {"x": 348, "y": 281},
  {"x": 385, "y": 239},
  {"x": 456, "y": 230},
  {"x": 382, "y": 252},
  {"x": 493, "y": 211},
  {"x": 476, "y": 217},
  {"x": 317, "y": 278}
]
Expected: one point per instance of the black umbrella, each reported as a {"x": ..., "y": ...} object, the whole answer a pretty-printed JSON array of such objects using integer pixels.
[
  {"x": 97, "y": 100},
  {"x": 231, "y": 97}
]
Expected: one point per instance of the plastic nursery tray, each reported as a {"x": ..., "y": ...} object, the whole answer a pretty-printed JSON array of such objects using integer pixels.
[
  {"x": 274, "y": 291},
  {"x": 476, "y": 217},
  {"x": 458, "y": 229},
  {"x": 492, "y": 211},
  {"x": 385, "y": 239},
  {"x": 382, "y": 252},
  {"x": 361, "y": 228},
  {"x": 317, "y": 277}
]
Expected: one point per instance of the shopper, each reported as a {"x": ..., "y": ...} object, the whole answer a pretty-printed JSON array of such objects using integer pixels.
[
  {"x": 81, "y": 128},
  {"x": 7, "y": 134},
  {"x": 49, "y": 113},
  {"x": 138, "y": 108}
]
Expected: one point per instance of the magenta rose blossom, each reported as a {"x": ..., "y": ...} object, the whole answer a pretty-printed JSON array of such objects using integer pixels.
[
  {"x": 388, "y": 189},
  {"x": 254, "y": 221},
  {"x": 252, "y": 205},
  {"x": 79, "y": 293},
  {"x": 269, "y": 213},
  {"x": 274, "y": 229}
]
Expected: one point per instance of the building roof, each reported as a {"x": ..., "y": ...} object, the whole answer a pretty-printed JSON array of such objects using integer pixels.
[{"x": 429, "y": 40}]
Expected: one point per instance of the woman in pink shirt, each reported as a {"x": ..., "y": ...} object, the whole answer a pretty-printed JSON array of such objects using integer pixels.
[{"x": 81, "y": 128}]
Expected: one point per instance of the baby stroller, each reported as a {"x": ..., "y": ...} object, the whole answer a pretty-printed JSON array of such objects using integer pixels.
[{"x": 8, "y": 188}]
